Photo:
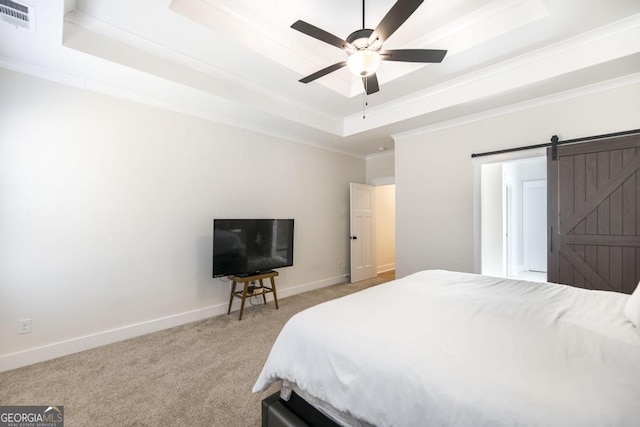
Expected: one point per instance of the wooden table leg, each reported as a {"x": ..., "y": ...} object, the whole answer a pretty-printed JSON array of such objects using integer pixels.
[
  {"x": 245, "y": 280},
  {"x": 244, "y": 296},
  {"x": 264, "y": 298},
  {"x": 273, "y": 288},
  {"x": 233, "y": 289}
]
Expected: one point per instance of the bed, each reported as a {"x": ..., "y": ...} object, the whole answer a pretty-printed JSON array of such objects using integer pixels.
[{"x": 440, "y": 348}]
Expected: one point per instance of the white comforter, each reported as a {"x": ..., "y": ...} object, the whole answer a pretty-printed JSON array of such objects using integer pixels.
[{"x": 449, "y": 349}]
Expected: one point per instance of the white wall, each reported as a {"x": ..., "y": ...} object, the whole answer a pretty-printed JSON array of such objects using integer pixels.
[
  {"x": 434, "y": 171},
  {"x": 385, "y": 208},
  {"x": 381, "y": 168},
  {"x": 106, "y": 209}
]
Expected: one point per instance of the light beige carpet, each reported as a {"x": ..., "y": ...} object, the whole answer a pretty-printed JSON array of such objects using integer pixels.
[{"x": 199, "y": 374}]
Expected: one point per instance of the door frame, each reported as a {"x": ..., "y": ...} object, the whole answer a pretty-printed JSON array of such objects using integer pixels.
[{"x": 477, "y": 193}]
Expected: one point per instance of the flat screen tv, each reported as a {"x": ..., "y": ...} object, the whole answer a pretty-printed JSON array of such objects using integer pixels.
[{"x": 245, "y": 247}]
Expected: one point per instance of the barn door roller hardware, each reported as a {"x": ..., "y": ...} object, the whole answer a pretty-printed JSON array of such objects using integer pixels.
[
  {"x": 555, "y": 142},
  {"x": 554, "y": 147}
]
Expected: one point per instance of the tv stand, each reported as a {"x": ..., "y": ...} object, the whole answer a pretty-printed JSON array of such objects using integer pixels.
[{"x": 258, "y": 290}]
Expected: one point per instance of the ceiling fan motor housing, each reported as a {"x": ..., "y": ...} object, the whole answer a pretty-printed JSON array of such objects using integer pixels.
[{"x": 360, "y": 38}]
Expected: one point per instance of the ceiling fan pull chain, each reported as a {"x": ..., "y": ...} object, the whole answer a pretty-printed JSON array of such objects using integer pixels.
[
  {"x": 364, "y": 97},
  {"x": 364, "y": 105}
]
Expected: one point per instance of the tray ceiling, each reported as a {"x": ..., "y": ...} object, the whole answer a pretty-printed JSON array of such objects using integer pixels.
[{"x": 238, "y": 62}]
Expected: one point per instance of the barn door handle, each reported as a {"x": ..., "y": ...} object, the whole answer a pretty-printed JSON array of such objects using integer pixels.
[{"x": 551, "y": 239}]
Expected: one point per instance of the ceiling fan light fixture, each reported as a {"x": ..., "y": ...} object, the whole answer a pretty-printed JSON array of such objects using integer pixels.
[
  {"x": 363, "y": 63},
  {"x": 364, "y": 46}
]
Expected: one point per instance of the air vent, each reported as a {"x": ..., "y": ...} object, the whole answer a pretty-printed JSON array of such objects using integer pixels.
[{"x": 17, "y": 14}]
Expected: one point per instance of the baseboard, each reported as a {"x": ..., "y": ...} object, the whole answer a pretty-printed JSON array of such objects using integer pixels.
[
  {"x": 517, "y": 269},
  {"x": 75, "y": 345},
  {"x": 385, "y": 268},
  {"x": 311, "y": 286}
]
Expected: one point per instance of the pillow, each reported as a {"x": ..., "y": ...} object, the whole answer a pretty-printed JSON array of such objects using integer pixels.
[{"x": 632, "y": 309}]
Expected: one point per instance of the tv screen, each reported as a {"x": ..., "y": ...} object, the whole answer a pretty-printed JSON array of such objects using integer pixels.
[{"x": 244, "y": 247}]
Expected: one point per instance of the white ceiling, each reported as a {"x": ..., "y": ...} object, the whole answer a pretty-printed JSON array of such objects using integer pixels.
[{"x": 238, "y": 61}]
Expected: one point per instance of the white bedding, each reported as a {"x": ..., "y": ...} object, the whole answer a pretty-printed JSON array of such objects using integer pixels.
[{"x": 440, "y": 348}]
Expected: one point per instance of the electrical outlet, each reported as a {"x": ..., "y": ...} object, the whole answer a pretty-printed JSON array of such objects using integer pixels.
[
  {"x": 340, "y": 264},
  {"x": 24, "y": 326}
]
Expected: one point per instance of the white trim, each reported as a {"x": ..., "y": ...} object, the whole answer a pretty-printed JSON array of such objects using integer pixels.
[
  {"x": 383, "y": 153},
  {"x": 525, "y": 105},
  {"x": 139, "y": 98},
  {"x": 312, "y": 286},
  {"x": 78, "y": 344},
  {"x": 386, "y": 267},
  {"x": 384, "y": 180},
  {"x": 477, "y": 218},
  {"x": 552, "y": 61}
]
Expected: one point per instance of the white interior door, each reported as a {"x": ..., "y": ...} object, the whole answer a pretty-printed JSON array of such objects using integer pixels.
[
  {"x": 363, "y": 259},
  {"x": 534, "y": 225}
]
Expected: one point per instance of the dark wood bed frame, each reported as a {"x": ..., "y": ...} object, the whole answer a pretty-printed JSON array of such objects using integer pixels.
[{"x": 296, "y": 412}]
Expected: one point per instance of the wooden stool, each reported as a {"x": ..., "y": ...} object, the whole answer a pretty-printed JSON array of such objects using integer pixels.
[{"x": 258, "y": 290}]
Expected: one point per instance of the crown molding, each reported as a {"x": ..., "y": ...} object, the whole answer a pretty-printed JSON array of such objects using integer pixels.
[
  {"x": 141, "y": 98},
  {"x": 384, "y": 153},
  {"x": 521, "y": 106}
]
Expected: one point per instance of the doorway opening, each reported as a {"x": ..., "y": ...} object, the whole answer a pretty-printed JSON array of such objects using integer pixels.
[
  {"x": 385, "y": 240},
  {"x": 513, "y": 218},
  {"x": 372, "y": 231}
]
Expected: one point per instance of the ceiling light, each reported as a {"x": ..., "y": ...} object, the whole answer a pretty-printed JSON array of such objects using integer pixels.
[{"x": 363, "y": 63}]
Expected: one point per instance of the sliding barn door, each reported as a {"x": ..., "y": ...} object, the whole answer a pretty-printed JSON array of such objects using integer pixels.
[{"x": 594, "y": 214}]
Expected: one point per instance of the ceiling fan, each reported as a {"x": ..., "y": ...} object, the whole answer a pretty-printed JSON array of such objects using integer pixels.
[{"x": 364, "y": 46}]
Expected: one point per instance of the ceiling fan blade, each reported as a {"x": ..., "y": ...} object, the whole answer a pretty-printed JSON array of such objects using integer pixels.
[
  {"x": 371, "y": 84},
  {"x": 323, "y": 72},
  {"x": 413, "y": 55},
  {"x": 396, "y": 16},
  {"x": 322, "y": 35}
]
